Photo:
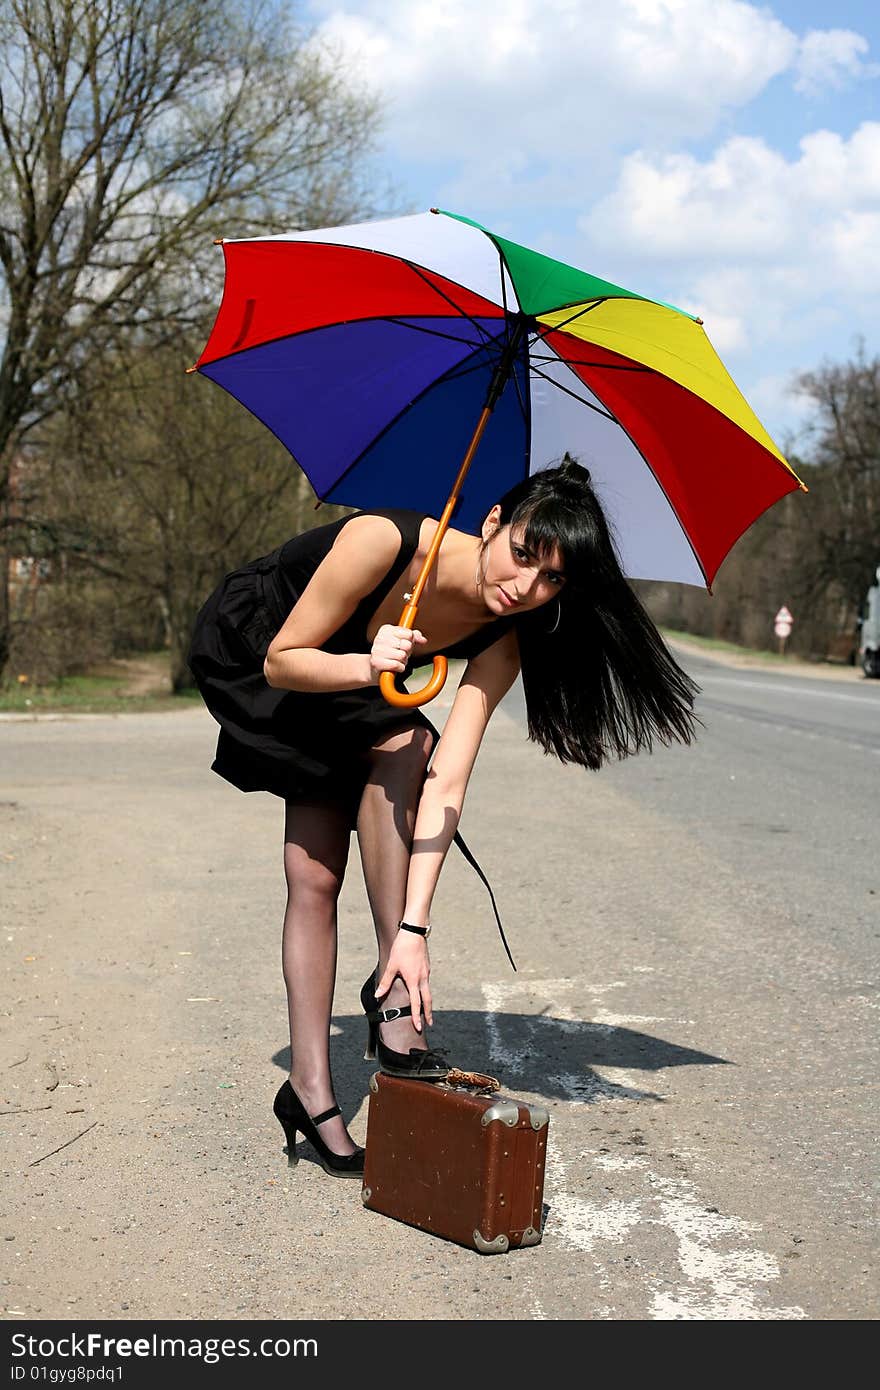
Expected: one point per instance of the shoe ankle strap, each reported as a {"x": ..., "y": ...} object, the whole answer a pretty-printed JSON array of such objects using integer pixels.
[
  {"x": 327, "y": 1115},
  {"x": 389, "y": 1015}
]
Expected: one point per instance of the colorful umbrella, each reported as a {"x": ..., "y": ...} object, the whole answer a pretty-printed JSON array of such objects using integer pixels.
[{"x": 382, "y": 353}]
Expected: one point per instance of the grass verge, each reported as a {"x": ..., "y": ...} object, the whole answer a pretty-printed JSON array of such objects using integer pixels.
[
  {"x": 90, "y": 694},
  {"x": 729, "y": 648}
]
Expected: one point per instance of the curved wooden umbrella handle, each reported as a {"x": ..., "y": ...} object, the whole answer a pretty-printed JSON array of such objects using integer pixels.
[
  {"x": 411, "y": 699},
  {"x": 406, "y": 699}
]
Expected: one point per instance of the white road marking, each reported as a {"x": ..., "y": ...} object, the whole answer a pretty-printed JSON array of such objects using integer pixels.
[
  {"x": 721, "y": 1283},
  {"x": 721, "y": 1275},
  {"x": 775, "y": 689}
]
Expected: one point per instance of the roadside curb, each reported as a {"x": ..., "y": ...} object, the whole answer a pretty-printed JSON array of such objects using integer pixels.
[{"x": 818, "y": 671}]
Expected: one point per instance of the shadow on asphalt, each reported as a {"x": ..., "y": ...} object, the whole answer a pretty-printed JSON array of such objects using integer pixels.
[{"x": 554, "y": 1058}]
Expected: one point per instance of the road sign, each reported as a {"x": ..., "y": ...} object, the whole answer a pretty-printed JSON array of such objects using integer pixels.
[{"x": 782, "y": 625}]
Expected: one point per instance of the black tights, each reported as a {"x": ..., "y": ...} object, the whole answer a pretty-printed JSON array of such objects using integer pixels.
[{"x": 316, "y": 844}]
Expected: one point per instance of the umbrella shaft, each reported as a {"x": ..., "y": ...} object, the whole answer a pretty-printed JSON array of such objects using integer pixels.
[
  {"x": 500, "y": 377},
  {"x": 410, "y": 613}
]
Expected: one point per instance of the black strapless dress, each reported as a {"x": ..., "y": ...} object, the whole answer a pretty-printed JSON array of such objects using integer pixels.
[{"x": 300, "y": 745}]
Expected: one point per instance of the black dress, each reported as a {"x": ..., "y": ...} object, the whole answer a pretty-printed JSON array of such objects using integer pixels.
[{"x": 303, "y": 746}]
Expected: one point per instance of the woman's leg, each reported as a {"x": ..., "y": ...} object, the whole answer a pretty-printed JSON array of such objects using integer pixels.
[
  {"x": 385, "y": 825},
  {"x": 316, "y": 841}
]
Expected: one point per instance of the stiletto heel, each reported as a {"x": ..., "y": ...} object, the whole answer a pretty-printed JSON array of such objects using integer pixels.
[
  {"x": 422, "y": 1065},
  {"x": 290, "y": 1134},
  {"x": 369, "y": 1004},
  {"x": 294, "y": 1118}
]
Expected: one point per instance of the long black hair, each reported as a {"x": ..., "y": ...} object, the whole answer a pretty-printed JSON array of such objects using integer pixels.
[{"x": 600, "y": 682}]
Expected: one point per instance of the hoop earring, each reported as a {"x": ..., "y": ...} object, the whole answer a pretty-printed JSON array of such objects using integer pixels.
[{"x": 558, "y": 616}]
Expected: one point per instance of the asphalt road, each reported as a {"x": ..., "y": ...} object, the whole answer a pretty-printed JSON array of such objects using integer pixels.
[{"x": 696, "y": 1004}]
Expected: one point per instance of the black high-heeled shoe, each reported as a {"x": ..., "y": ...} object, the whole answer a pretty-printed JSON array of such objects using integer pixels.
[
  {"x": 293, "y": 1117},
  {"x": 418, "y": 1063}
]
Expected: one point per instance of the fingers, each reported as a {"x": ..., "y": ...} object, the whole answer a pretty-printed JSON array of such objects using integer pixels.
[
  {"x": 393, "y": 646},
  {"x": 415, "y": 1003},
  {"x": 409, "y": 962},
  {"x": 426, "y": 1004}
]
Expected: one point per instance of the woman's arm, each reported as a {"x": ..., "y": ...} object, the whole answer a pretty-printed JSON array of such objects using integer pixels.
[
  {"x": 362, "y": 555},
  {"x": 487, "y": 679}
]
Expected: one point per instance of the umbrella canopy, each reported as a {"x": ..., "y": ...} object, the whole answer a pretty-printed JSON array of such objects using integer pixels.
[{"x": 369, "y": 351}]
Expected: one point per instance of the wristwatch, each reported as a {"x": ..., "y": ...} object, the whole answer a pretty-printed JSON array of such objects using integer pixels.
[{"x": 419, "y": 931}]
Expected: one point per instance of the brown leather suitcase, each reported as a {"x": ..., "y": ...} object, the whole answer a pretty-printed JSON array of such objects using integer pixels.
[{"x": 463, "y": 1165}]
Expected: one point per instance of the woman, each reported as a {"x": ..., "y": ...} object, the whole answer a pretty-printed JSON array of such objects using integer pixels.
[{"x": 288, "y": 653}]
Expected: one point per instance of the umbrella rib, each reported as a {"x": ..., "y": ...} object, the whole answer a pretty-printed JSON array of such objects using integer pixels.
[
  {"x": 526, "y": 407},
  {"x": 643, "y": 456},
  {"x": 599, "y": 366},
  {"x": 574, "y": 395},
  {"x": 519, "y": 394},
  {"x": 456, "y": 373},
  {"x": 503, "y": 286},
  {"x": 445, "y": 376},
  {"x": 449, "y": 300},
  {"x": 558, "y": 327},
  {"x": 506, "y": 307},
  {"x": 345, "y": 323},
  {"x": 434, "y": 333}
]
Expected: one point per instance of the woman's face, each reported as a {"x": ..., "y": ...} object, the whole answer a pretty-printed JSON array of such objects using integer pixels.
[{"x": 513, "y": 578}]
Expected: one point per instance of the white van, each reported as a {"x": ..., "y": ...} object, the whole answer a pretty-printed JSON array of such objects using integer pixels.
[{"x": 869, "y": 630}]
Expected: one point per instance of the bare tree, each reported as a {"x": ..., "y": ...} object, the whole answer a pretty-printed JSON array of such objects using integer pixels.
[
  {"x": 844, "y": 448},
  {"x": 818, "y": 553},
  {"x": 131, "y": 131},
  {"x": 152, "y": 488}
]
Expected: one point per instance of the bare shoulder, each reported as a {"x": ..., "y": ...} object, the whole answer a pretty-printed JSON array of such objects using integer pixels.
[
  {"x": 362, "y": 553},
  {"x": 369, "y": 543},
  {"x": 451, "y": 537}
]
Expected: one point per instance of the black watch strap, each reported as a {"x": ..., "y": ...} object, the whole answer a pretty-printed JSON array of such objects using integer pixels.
[{"x": 419, "y": 931}]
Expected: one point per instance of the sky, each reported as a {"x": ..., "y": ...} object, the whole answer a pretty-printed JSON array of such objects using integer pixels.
[{"x": 719, "y": 155}]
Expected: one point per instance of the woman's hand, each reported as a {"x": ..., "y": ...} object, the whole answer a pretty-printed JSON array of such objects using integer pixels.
[
  {"x": 392, "y": 649},
  {"x": 409, "y": 959}
]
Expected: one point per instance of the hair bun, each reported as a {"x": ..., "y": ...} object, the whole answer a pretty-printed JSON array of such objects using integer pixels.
[{"x": 570, "y": 468}]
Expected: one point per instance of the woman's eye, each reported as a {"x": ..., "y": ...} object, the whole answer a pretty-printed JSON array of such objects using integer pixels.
[{"x": 555, "y": 579}]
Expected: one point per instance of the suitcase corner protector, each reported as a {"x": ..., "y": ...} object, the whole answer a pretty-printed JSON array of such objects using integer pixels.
[
  {"x": 498, "y": 1246},
  {"x": 366, "y": 1194},
  {"x": 507, "y": 1111},
  {"x": 530, "y": 1236}
]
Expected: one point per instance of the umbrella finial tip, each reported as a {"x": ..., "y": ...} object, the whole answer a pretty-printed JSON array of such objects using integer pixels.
[
  {"x": 193, "y": 368},
  {"x": 436, "y": 210}
]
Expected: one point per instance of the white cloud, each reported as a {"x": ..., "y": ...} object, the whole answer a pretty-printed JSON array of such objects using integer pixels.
[
  {"x": 516, "y": 109},
  {"x": 763, "y": 248},
  {"x": 746, "y": 201},
  {"x": 546, "y": 80},
  {"x": 831, "y": 58}
]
